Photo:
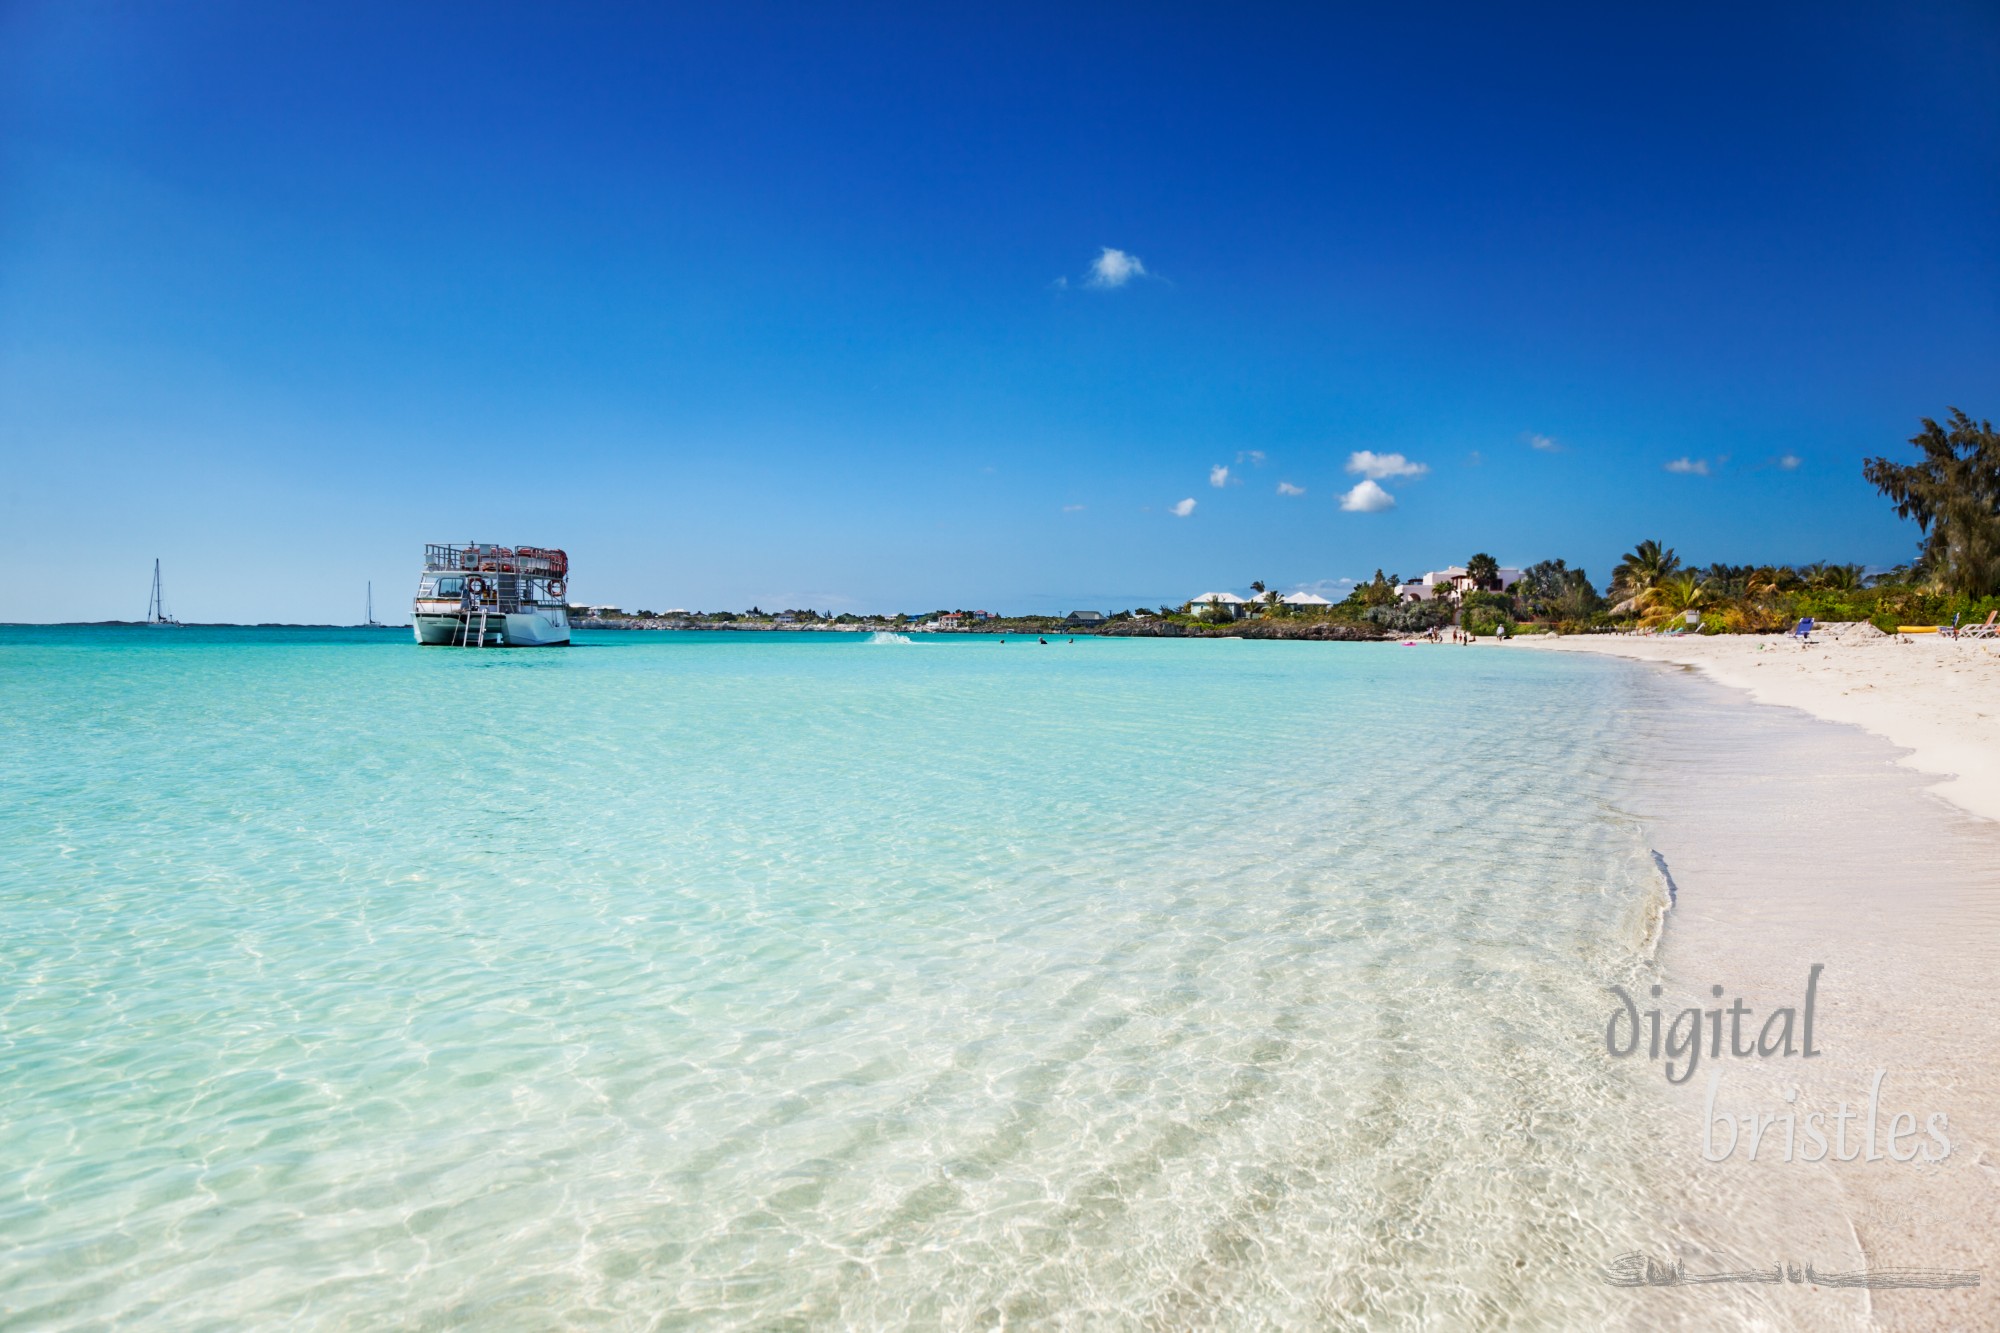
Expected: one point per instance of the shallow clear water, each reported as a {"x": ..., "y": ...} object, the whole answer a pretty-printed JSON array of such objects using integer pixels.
[{"x": 716, "y": 980}]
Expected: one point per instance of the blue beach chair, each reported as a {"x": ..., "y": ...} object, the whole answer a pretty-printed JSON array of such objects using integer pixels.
[{"x": 1803, "y": 629}]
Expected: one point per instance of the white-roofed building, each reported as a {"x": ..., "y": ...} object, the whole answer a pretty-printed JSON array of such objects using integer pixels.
[
  {"x": 1228, "y": 600},
  {"x": 1305, "y": 599},
  {"x": 1450, "y": 582}
]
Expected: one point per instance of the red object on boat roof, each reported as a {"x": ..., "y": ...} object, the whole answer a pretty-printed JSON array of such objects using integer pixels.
[{"x": 558, "y": 559}]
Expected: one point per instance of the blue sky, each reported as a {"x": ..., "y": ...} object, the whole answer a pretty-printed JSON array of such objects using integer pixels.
[{"x": 793, "y": 304}]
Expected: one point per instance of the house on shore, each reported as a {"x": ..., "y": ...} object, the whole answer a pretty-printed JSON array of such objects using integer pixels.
[
  {"x": 1084, "y": 619},
  {"x": 1228, "y": 601},
  {"x": 1452, "y": 582}
]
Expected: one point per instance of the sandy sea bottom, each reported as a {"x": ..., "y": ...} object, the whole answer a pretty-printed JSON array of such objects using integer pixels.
[{"x": 716, "y": 981}]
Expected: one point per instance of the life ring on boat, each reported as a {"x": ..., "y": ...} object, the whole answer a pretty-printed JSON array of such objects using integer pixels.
[
  {"x": 556, "y": 588},
  {"x": 476, "y": 586}
]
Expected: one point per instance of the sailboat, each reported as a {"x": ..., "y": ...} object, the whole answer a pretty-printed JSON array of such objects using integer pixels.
[
  {"x": 371, "y": 622},
  {"x": 156, "y": 608}
]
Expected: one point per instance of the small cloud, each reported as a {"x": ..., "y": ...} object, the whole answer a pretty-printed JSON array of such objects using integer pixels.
[
  {"x": 1542, "y": 443},
  {"x": 1474, "y": 459},
  {"x": 1367, "y": 498},
  {"x": 1286, "y": 488},
  {"x": 1377, "y": 467},
  {"x": 1689, "y": 467},
  {"x": 1114, "y": 268},
  {"x": 1059, "y": 285},
  {"x": 1183, "y": 508},
  {"x": 1254, "y": 457},
  {"x": 1218, "y": 476},
  {"x": 1790, "y": 462},
  {"x": 1072, "y": 509}
]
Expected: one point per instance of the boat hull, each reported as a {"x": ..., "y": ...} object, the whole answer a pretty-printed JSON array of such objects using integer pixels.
[{"x": 541, "y": 627}]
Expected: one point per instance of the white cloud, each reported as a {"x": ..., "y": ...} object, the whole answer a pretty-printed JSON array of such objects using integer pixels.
[
  {"x": 1059, "y": 285},
  {"x": 1376, "y": 467},
  {"x": 1543, "y": 443},
  {"x": 1115, "y": 268},
  {"x": 1690, "y": 467},
  {"x": 1254, "y": 457},
  {"x": 1218, "y": 475},
  {"x": 1286, "y": 488},
  {"x": 1367, "y": 498},
  {"x": 1182, "y": 509},
  {"x": 1790, "y": 462},
  {"x": 1072, "y": 509}
]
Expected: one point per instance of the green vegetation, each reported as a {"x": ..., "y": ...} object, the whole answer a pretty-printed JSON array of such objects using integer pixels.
[{"x": 1954, "y": 495}]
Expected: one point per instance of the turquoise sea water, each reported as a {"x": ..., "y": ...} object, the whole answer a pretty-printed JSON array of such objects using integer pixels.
[{"x": 729, "y": 980}]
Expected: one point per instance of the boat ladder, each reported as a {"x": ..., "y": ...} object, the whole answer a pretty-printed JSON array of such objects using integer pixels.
[{"x": 470, "y": 638}]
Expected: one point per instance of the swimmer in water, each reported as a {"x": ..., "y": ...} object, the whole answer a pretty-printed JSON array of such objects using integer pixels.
[{"x": 1043, "y": 642}]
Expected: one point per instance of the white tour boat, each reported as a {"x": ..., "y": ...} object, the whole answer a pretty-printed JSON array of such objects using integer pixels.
[{"x": 477, "y": 595}]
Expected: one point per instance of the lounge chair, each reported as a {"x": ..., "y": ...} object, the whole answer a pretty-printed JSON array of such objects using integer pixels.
[
  {"x": 1986, "y": 631},
  {"x": 1803, "y": 629}
]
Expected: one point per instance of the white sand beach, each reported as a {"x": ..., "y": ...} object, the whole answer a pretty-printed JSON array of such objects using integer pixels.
[
  {"x": 1794, "y": 844},
  {"x": 1937, "y": 697}
]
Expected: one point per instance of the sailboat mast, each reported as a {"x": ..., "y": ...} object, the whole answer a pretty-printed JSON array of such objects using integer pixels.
[{"x": 156, "y": 608}]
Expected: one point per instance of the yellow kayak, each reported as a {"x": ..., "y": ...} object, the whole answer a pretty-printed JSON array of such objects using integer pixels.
[{"x": 1916, "y": 629}]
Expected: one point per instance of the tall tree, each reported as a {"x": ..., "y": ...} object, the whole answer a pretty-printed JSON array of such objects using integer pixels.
[
  {"x": 1484, "y": 571},
  {"x": 1552, "y": 590},
  {"x": 1954, "y": 494},
  {"x": 1643, "y": 566}
]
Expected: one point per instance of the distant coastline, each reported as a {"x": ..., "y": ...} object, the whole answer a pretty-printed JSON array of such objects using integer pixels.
[{"x": 1154, "y": 628}]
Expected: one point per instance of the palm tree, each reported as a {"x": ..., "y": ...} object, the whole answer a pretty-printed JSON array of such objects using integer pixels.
[
  {"x": 1763, "y": 581},
  {"x": 1483, "y": 571},
  {"x": 1643, "y": 566},
  {"x": 1672, "y": 596}
]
